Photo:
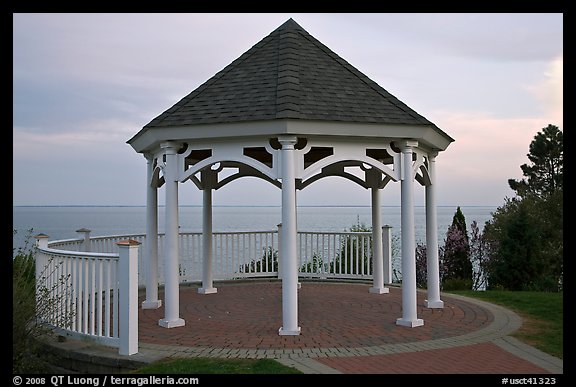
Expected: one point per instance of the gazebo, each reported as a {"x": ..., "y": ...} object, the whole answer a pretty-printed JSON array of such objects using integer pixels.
[{"x": 290, "y": 111}]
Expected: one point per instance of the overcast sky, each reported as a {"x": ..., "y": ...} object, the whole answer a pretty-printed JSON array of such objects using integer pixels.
[{"x": 83, "y": 84}]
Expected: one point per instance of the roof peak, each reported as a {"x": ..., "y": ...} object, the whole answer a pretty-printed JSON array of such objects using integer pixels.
[{"x": 290, "y": 24}]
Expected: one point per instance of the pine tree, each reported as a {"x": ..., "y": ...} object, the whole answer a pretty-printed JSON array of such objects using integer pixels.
[{"x": 545, "y": 175}]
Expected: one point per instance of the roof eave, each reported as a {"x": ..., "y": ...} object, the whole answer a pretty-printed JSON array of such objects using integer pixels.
[{"x": 149, "y": 138}]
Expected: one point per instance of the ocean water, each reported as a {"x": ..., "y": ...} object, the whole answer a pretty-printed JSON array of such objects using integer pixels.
[{"x": 62, "y": 222}]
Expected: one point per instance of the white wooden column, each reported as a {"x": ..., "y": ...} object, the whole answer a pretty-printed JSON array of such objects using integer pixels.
[
  {"x": 377, "y": 248},
  {"x": 288, "y": 256},
  {"x": 171, "y": 274},
  {"x": 433, "y": 271},
  {"x": 409, "y": 301},
  {"x": 151, "y": 252},
  {"x": 207, "y": 283}
]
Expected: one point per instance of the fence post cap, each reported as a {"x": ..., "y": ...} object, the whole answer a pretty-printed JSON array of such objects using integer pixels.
[{"x": 128, "y": 242}]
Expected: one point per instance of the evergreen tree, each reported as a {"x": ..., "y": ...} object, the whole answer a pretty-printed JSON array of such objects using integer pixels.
[
  {"x": 514, "y": 265},
  {"x": 546, "y": 173},
  {"x": 456, "y": 260}
]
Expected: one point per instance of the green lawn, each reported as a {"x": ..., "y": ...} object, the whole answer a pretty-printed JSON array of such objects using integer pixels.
[
  {"x": 217, "y": 366},
  {"x": 542, "y": 313}
]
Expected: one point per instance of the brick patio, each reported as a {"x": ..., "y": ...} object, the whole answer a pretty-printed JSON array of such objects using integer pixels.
[{"x": 345, "y": 329}]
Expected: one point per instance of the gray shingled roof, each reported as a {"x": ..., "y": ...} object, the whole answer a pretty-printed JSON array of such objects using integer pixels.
[{"x": 289, "y": 75}]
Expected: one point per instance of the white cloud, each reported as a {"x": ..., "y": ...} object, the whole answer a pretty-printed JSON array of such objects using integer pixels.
[
  {"x": 95, "y": 138},
  {"x": 487, "y": 151},
  {"x": 549, "y": 90}
]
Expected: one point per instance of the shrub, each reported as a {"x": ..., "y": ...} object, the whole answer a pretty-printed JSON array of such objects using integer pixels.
[
  {"x": 315, "y": 266},
  {"x": 268, "y": 261},
  {"x": 457, "y": 284},
  {"x": 24, "y": 327},
  {"x": 354, "y": 250},
  {"x": 32, "y": 300}
]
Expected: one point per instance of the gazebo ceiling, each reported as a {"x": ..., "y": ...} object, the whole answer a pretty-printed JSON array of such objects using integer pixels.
[{"x": 289, "y": 83}]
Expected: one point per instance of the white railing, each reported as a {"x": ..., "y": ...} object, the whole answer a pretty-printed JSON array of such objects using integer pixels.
[
  {"x": 82, "y": 277},
  {"x": 250, "y": 254},
  {"x": 84, "y": 290},
  {"x": 243, "y": 254},
  {"x": 68, "y": 244},
  {"x": 335, "y": 254},
  {"x": 81, "y": 293},
  {"x": 234, "y": 254}
]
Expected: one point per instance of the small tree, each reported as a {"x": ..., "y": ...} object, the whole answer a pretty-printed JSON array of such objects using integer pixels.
[
  {"x": 421, "y": 266},
  {"x": 456, "y": 260},
  {"x": 480, "y": 258},
  {"x": 396, "y": 246}
]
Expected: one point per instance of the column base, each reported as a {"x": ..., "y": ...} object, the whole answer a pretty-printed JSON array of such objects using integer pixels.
[
  {"x": 434, "y": 304},
  {"x": 410, "y": 323},
  {"x": 285, "y": 332},
  {"x": 151, "y": 304},
  {"x": 207, "y": 290},
  {"x": 171, "y": 323},
  {"x": 375, "y": 290}
]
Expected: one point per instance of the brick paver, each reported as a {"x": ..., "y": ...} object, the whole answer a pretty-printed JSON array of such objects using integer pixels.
[
  {"x": 483, "y": 358},
  {"x": 331, "y": 316}
]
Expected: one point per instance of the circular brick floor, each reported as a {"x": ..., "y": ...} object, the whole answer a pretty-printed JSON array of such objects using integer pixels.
[{"x": 331, "y": 315}]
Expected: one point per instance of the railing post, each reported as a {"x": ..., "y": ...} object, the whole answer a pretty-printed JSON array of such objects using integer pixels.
[
  {"x": 207, "y": 251},
  {"x": 42, "y": 241},
  {"x": 39, "y": 258},
  {"x": 86, "y": 244},
  {"x": 377, "y": 246},
  {"x": 279, "y": 251},
  {"x": 128, "y": 308},
  {"x": 387, "y": 253}
]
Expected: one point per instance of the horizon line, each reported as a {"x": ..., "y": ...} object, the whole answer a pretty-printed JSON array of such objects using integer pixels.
[{"x": 243, "y": 205}]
